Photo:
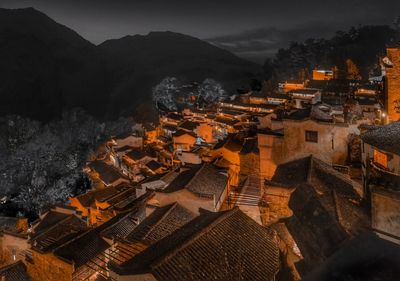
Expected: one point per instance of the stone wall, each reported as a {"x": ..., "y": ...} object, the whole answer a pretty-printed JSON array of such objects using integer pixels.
[{"x": 47, "y": 267}]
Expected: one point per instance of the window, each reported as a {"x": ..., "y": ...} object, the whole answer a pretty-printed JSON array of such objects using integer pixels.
[
  {"x": 380, "y": 158},
  {"x": 311, "y": 136}
]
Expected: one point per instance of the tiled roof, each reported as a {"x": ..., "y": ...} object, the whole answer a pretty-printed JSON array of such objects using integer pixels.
[
  {"x": 170, "y": 127},
  {"x": 226, "y": 121},
  {"x": 123, "y": 199},
  {"x": 188, "y": 125},
  {"x": 386, "y": 138},
  {"x": 214, "y": 246},
  {"x": 58, "y": 234},
  {"x": 50, "y": 218},
  {"x": 124, "y": 223},
  {"x": 182, "y": 132},
  {"x": 14, "y": 272},
  {"x": 91, "y": 243},
  {"x": 326, "y": 208},
  {"x": 84, "y": 248},
  {"x": 181, "y": 180},
  {"x": 100, "y": 195},
  {"x": 122, "y": 228},
  {"x": 153, "y": 165},
  {"x": 107, "y": 173},
  {"x": 174, "y": 116},
  {"x": 208, "y": 182},
  {"x": 161, "y": 223},
  {"x": 136, "y": 154}
]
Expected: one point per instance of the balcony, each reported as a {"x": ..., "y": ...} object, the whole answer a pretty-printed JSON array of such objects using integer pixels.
[{"x": 380, "y": 176}]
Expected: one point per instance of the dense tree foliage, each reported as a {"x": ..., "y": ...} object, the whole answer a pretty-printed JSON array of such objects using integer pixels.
[
  {"x": 42, "y": 164},
  {"x": 361, "y": 46}
]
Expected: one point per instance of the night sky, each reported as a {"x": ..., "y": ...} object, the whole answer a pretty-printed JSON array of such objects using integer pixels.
[{"x": 250, "y": 28}]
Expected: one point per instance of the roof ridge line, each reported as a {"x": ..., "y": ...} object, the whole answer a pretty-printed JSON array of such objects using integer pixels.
[
  {"x": 172, "y": 207},
  {"x": 116, "y": 194},
  {"x": 196, "y": 236},
  {"x": 55, "y": 225}
]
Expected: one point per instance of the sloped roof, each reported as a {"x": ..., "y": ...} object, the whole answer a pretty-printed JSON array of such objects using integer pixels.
[
  {"x": 107, "y": 173},
  {"x": 180, "y": 132},
  {"x": 84, "y": 248},
  {"x": 136, "y": 154},
  {"x": 87, "y": 199},
  {"x": 188, "y": 125},
  {"x": 182, "y": 179},
  {"x": 15, "y": 272},
  {"x": 214, "y": 246},
  {"x": 174, "y": 116},
  {"x": 326, "y": 208},
  {"x": 154, "y": 165},
  {"x": 386, "y": 138},
  {"x": 91, "y": 243},
  {"x": 58, "y": 234},
  {"x": 161, "y": 223},
  {"x": 50, "y": 218},
  {"x": 208, "y": 182},
  {"x": 226, "y": 121}
]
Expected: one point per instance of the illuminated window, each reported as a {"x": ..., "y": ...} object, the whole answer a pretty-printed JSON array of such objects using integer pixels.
[
  {"x": 380, "y": 158},
  {"x": 311, "y": 136}
]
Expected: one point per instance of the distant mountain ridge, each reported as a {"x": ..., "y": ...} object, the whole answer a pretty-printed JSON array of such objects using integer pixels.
[{"x": 47, "y": 67}]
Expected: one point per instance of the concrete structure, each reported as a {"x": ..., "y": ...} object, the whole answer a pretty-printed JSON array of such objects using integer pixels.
[{"x": 300, "y": 138}]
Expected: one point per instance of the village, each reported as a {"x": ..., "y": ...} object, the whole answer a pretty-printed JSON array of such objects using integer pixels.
[{"x": 258, "y": 186}]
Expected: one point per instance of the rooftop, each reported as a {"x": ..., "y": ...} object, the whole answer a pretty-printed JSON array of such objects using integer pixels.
[
  {"x": 58, "y": 234},
  {"x": 326, "y": 208},
  {"x": 208, "y": 181},
  {"x": 153, "y": 165},
  {"x": 188, "y": 125},
  {"x": 200, "y": 250},
  {"x": 101, "y": 195},
  {"x": 386, "y": 138},
  {"x": 182, "y": 178},
  {"x": 162, "y": 222},
  {"x": 136, "y": 154},
  {"x": 14, "y": 272},
  {"x": 107, "y": 173}
]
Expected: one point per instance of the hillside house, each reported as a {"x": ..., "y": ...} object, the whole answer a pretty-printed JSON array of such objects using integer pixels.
[{"x": 381, "y": 178}]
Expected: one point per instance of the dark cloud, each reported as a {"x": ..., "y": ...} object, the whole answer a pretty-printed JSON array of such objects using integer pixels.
[{"x": 257, "y": 44}]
